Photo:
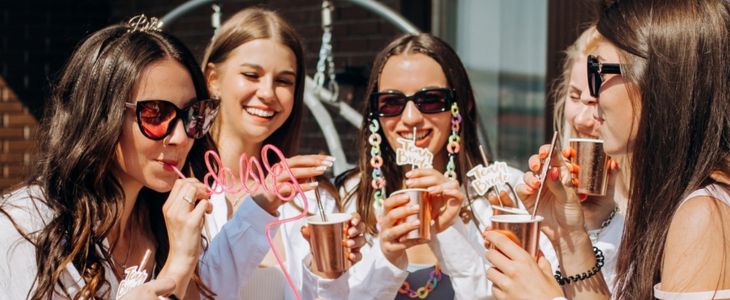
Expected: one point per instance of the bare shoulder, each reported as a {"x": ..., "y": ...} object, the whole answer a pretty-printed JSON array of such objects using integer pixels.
[{"x": 697, "y": 246}]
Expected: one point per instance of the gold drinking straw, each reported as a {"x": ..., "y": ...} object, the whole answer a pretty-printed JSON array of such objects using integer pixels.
[
  {"x": 543, "y": 172},
  {"x": 319, "y": 202}
]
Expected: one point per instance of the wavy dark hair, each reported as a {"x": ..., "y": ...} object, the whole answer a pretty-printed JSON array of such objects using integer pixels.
[
  {"x": 675, "y": 56},
  {"x": 81, "y": 129},
  {"x": 260, "y": 23},
  {"x": 458, "y": 80}
]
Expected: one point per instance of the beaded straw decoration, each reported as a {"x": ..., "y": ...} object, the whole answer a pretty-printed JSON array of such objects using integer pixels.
[
  {"x": 376, "y": 161},
  {"x": 453, "y": 147}
]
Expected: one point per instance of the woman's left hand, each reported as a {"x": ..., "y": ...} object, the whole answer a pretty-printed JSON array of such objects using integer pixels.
[
  {"x": 515, "y": 274},
  {"x": 446, "y": 197},
  {"x": 354, "y": 241}
]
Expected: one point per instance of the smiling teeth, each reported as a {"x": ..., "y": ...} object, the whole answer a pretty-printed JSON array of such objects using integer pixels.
[
  {"x": 419, "y": 135},
  {"x": 259, "y": 112}
]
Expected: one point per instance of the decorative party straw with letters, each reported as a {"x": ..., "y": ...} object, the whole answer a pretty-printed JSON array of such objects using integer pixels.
[{"x": 217, "y": 182}]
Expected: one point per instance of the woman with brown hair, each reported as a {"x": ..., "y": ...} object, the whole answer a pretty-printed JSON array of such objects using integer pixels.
[
  {"x": 129, "y": 107},
  {"x": 660, "y": 69},
  {"x": 255, "y": 65},
  {"x": 417, "y": 82}
]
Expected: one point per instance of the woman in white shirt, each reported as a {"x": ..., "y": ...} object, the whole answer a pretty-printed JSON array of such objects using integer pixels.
[
  {"x": 661, "y": 70},
  {"x": 417, "y": 82},
  {"x": 104, "y": 197},
  {"x": 255, "y": 65}
]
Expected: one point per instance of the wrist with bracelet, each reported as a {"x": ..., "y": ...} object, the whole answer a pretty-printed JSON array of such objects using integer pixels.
[{"x": 585, "y": 275}]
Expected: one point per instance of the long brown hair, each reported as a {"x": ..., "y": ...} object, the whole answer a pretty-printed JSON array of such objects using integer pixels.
[
  {"x": 675, "y": 58},
  {"x": 259, "y": 23},
  {"x": 458, "y": 80},
  {"x": 77, "y": 141}
]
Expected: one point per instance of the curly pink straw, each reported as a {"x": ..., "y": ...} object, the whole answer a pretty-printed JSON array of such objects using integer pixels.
[{"x": 247, "y": 165}]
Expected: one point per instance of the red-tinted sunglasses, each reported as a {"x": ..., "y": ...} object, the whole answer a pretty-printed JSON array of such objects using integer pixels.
[
  {"x": 157, "y": 118},
  {"x": 596, "y": 69},
  {"x": 428, "y": 101}
]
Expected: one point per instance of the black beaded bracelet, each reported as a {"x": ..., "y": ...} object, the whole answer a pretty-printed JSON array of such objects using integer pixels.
[{"x": 585, "y": 275}]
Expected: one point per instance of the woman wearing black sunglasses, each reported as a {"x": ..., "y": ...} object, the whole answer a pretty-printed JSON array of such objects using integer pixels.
[
  {"x": 104, "y": 210},
  {"x": 660, "y": 69},
  {"x": 418, "y": 82}
]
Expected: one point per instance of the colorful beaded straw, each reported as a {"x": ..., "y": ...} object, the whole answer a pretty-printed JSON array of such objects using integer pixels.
[{"x": 453, "y": 147}]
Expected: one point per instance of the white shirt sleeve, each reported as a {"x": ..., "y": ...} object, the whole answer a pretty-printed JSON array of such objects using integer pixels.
[
  {"x": 460, "y": 259},
  {"x": 375, "y": 277},
  {"x": 236, "y": 250}
]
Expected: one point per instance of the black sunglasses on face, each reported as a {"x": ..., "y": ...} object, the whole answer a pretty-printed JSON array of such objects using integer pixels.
[
  {"x": 428, "y": 101},
  {"x": 595, "y": 71},
  {"x": 157, "y": 118}
]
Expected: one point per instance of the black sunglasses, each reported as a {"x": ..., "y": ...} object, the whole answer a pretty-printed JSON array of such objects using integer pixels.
[
  {"x": 428, "y": 101},
  {"x": 157, "y": 118},
  {"x": 595, "y": 71}
]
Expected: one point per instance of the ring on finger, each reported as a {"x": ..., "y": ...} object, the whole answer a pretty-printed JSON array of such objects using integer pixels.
[{"x": 188, "y": 199}]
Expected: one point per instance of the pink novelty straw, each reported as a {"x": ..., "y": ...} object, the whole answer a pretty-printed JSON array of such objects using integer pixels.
[
  {"x": 177, "y": 171},
  {"x": 250, "y": 168}
]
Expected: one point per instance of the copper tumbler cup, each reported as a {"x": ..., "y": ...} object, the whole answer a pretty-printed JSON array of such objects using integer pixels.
[
  {"x": 327, "y": 241},
  {"x": 593, "y": 162},
  {"x": 421, "y": 198},
  {"x": 524, "y": 230}
]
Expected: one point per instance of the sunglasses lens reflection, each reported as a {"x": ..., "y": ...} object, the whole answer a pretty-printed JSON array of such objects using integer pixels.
[{"x": 155, "y": 117}]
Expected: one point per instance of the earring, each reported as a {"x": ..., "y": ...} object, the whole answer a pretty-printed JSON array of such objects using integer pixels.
[
  {"x": 166, "y": 140},
  {"x": 376, "y": 162},
  {"x": 453, "y": 147}
]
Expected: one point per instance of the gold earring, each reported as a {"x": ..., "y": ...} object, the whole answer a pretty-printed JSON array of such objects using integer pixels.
[{"x": 165, "y": 141}]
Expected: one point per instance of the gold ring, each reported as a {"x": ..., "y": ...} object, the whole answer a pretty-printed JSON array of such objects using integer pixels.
[{"x": 188, "y": 200}]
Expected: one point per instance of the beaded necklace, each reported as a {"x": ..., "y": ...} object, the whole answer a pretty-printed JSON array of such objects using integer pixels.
[{"x": 422, "y": 292}]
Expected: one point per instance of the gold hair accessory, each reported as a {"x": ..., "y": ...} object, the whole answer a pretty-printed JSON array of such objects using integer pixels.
[{"x": 144, "y": 24}]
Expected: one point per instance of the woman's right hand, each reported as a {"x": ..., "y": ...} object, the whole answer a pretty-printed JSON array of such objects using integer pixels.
[
  {"x": 393, "y": 228},
  {"x": 303, "y": 167},
  {"x": 184, "y": 212},
  {"x": 559, "y": 204}
]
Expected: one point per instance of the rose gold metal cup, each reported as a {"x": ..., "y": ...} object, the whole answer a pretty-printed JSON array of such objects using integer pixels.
[
  {"x": 327, "y": 240},
  {"x": 524, "y": 230},
  {"x": 422, "y": 198},
  {"x": 593, "y": 162}
]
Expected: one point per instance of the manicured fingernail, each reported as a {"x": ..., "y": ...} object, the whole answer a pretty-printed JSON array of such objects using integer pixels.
[
  {"x": 409, "y": 173},
  {"x": 331, "y": 158},
  {"x": 327, "y": 163},
  {"x": 416, "y": 222},
  {"x": 322, "y": 168},
  {"x": 350, "y": 243},
  {"x": 432, "y": 189},
  {"x": 415, "y": 207},
  {"x": 409, "y": 182},
  {"x": 582, "y": 197},
  {"x": 313, "y": 183}
]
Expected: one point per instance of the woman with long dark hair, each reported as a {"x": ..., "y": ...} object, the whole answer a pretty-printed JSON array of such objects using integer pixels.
[
  {"x": 417, "y": 81},
  {"x": 130, "y": 106},
  {"x": 660, "y": 73}
]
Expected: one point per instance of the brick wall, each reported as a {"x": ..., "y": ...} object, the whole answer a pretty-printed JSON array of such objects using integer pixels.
[{"x": 17, "y": 137}]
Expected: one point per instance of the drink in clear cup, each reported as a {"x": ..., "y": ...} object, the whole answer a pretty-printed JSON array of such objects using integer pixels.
[
  {"x": 593, "y": 162},
  {"x": 524, "y": 230},
  {"x": 421, "y": 198},
  {"x": 327, "y": 239}
]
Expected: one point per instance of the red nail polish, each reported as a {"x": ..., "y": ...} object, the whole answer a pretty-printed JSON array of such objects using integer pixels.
[
  {"x": 582, "y": 197},
  {"x": 554, "y": 174}
]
